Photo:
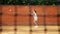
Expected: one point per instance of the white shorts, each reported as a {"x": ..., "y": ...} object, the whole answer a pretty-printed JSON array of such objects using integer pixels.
[{"x": 35, "y": 18}]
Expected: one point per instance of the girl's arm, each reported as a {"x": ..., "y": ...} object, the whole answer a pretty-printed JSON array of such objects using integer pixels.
[{"x": 32, "y": 13}]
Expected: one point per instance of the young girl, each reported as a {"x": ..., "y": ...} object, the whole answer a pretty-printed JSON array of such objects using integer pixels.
[{"x": 35, "y": 18}]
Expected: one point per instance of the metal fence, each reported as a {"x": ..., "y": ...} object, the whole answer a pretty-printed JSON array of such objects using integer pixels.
[{"x": 16, "y": 17}]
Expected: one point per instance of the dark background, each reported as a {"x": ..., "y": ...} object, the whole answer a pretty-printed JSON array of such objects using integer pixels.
[{"x": 29, "y": 2}]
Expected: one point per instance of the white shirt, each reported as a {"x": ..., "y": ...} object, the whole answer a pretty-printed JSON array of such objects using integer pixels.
[{"x": 35, "y": 16}]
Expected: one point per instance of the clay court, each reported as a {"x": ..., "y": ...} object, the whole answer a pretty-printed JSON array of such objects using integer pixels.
[{"x": 17, "y": 19}]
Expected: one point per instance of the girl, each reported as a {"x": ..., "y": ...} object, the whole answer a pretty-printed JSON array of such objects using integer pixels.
[{"x": 35, "y": 18}]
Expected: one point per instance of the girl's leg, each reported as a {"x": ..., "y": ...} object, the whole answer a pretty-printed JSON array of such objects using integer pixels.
[
  {"x": 35, "y": 22},
  {"x": 36, "y": 25}
]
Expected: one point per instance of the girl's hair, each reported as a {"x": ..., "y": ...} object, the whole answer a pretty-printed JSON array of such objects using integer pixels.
[{"x": 35, "y": 10}]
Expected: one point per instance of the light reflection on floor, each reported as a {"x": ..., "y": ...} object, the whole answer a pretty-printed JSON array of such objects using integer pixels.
[{"x": 25, "y": 30}]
